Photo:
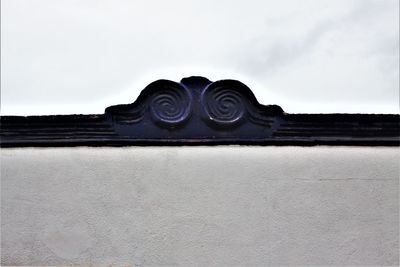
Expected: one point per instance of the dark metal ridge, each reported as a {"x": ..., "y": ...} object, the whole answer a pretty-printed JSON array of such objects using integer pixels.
[{"x": 197, "y": 111}]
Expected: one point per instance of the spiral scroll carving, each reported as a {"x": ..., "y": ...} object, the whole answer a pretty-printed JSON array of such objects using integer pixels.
[
  {"x": 223, "y": 105},
  {"x": 171, "y": 105}
]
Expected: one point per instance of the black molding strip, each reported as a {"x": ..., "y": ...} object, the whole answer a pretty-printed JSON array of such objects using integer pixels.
[{"x": 197, "y": 111}]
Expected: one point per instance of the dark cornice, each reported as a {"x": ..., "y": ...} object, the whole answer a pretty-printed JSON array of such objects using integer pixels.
[{"x": 197, "y": 111}]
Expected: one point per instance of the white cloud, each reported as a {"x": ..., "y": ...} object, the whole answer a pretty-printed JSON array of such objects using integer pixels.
[{"x": 61, "y": 57}]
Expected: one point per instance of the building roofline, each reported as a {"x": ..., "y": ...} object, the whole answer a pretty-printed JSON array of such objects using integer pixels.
[{"x": 197, "y": 111}]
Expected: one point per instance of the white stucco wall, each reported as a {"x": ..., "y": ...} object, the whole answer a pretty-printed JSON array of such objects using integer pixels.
[{"x": 200, "y": 206}]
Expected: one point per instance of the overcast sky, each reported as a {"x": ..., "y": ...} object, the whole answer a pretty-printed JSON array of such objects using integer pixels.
[{"x": 75, "y": 56}]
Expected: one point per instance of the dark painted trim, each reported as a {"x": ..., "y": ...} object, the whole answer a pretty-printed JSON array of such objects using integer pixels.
[{"x": 197, "y": 111}]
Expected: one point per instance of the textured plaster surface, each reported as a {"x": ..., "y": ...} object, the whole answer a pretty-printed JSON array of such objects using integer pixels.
[{"x": 200, "y": 206}]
